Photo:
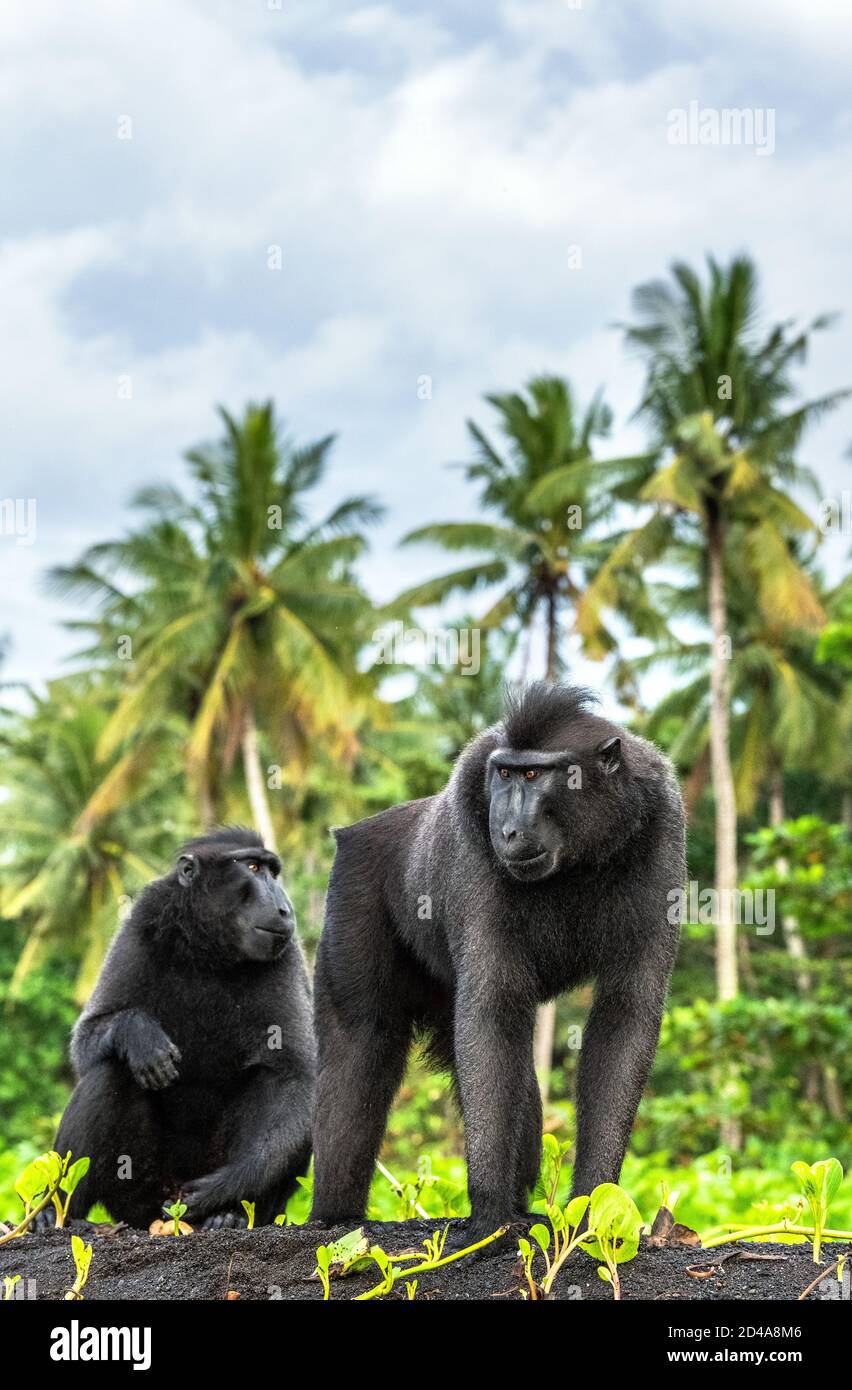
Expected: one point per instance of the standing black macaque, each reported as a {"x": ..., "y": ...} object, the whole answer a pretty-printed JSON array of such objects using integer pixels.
[
  {"x": 550, "y": 858},
  {"x": 195, "y": 1052}
]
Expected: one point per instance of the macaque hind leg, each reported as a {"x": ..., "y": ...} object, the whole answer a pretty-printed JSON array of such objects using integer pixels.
[{"x": 110, "y": 1120}]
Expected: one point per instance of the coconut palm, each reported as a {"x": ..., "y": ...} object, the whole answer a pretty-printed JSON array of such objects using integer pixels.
[
  {"x": 239, "y": 610},
  {"x": 717, "y": 398},
  {"x": 81, "y": 835},
  {"x": 549, "y": 497}
]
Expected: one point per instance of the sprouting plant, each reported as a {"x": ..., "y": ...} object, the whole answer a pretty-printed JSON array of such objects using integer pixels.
[
  {"x": 322, "y": 1269},
  {"x": 527, "y": 1254},
  {"x": 353, "y": 1253},
  {"x": 82, "y": 1259},
  {"x": 9, "y": 1282},
  {"x": 69, "y": 1179},
  {"x": 565, "y": 1226},
  {"x": 387, "y": 1269},
  {"x": 613, "y": 1233},
  {"x": 176, "y": 1211},
  {"x": 435, "y": 1243},
  {"x": 280, "y": 1219},
  {"x": 411, "y": 1289},
  {"x": 392, "y": 1270},
  {"x": 552, "y": 1158},
  {"x": 341, "y": 1257},
  {"x": 40, "y": 1183},
  {"x": 819, "y": 1183},
  {"x": 249, "y": 1209}
]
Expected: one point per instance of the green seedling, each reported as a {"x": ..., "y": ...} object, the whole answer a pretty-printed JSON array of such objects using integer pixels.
[
  {"x": 82, "y": 1259},
  {"x": 175, "y": 1212},
  {"x": 552, "y": 1158},
  {"x": 9, "y": 1282},
  {"x": 435, "y": 1243},
  {"x": 555, "y": 1244},
  {"x": 322, "y": 1270},
  {"x": 434, "y": 1259},
  {"x": 342, "y": 1257},
  {"x": 280, "y": 1219},
  {"x": 40, "y": 1183},
  {"x": 613, "y": 1234},
  {"x": 249, "y": 1209},
  {"x": 527, "y": 1254},
  {"x": 819, "y": 1183},
  {"x": 411, "y": 1289},
  {"x": 69, "y": 1180}
]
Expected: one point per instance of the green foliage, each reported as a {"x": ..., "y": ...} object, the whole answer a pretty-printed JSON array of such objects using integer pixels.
[
  {"x": 820, "y": 1183},
  {"x": 613, "y": 1230},
  {"x": 239, "y": 602}
]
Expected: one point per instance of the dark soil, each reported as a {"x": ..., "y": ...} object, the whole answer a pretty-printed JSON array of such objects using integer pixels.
[{"x": 278, "y": 1262}]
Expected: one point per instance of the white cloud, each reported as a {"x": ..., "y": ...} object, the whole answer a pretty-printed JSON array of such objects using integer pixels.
[{"x": 425, "y": 213}]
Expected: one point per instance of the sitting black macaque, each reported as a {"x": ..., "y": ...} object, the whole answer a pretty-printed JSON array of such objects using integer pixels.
[
  {"x": 547, "y": 861},
  {"x": 195, "y": 1053}
]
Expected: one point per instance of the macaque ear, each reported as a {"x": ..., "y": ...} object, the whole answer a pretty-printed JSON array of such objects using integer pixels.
[
  {"x": 187, "y": 869},
  {"x": 609, "y": 754}
]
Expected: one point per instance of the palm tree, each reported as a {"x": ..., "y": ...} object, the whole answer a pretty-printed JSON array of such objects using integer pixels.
[
  {"x": 81, "y": 836},
  {"x": 717, "y": 399},
  {"x": 784, "y": 702},
  {"x": 548, "y": 495},
  {"x": 240, "y": 611}
]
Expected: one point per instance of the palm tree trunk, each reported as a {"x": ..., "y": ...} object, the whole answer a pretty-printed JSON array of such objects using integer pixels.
[
  {"x": 793, "y": 939},
  {"x": 552, "y": 638},
  {"x": 258, "y": 800},
  {"x": 722, "y": 774},
  {"x": 206, "y": 808},
  {"x": 727, "y": 983}
]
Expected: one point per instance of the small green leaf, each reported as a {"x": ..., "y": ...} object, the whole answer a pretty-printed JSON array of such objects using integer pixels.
[
  {"x": 541, "y": 1236},
  {"x": 82, "y": 1258},
  {"x": 349, "y": 1246},
  {"x": 575, "y": 1211},
  {"x": 75, "y": 1172}
]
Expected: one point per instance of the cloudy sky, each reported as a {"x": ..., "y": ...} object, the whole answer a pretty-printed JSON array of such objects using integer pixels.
[{"x": 428, "y": 169}]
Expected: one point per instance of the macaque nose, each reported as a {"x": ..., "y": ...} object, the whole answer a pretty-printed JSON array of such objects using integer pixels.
[{"x": 509, "y": 833}]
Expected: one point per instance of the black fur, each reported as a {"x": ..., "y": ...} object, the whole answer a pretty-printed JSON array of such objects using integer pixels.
[
  {"x": 505, "y": 934},
  {"x": 195, "y": 1052}
]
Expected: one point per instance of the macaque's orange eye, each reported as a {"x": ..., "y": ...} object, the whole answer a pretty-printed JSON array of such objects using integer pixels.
[
  {"x": 504, "y": 773},
  {"x": 255, "y": 868},
  {"x": 531, "y": 773}
]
